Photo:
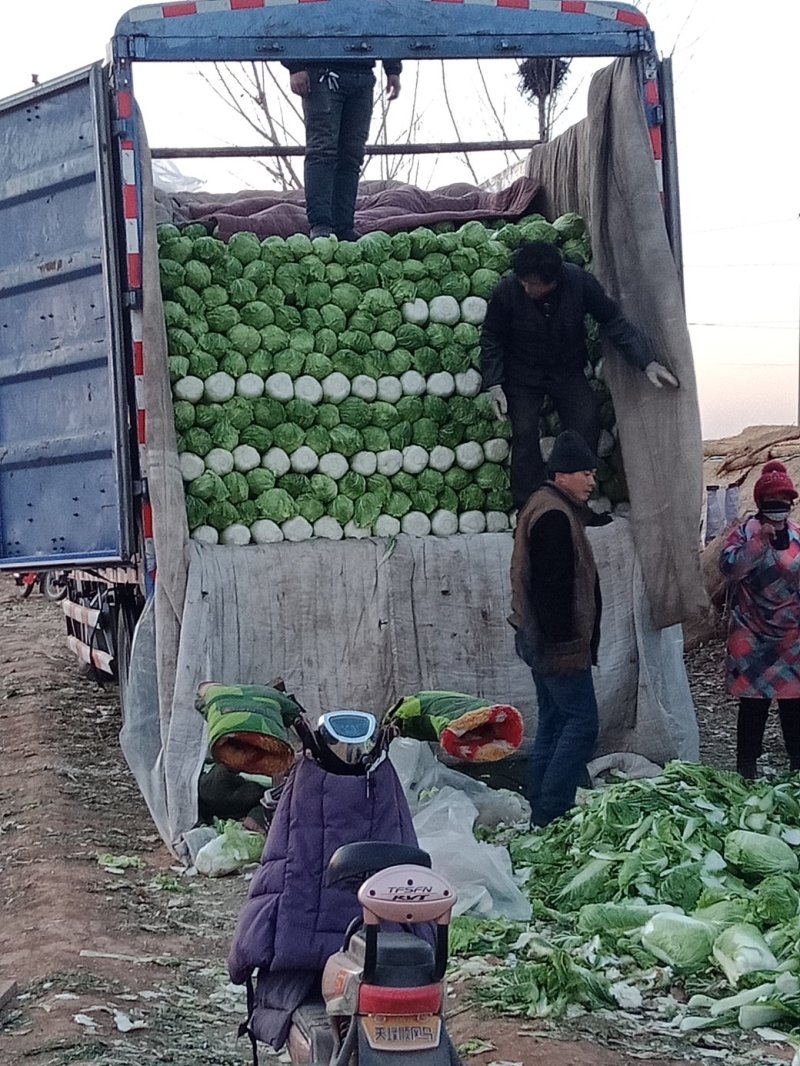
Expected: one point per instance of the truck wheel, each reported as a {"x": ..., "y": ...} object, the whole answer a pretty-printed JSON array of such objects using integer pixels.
[
  {"x": 122, "y": 652},
  {"x": 54, "y": 586}
]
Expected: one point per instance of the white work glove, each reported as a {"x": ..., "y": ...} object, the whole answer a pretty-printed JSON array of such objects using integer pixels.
[
  {"x": 497, "y": 398},
  {"x": 659, "y": 376}
]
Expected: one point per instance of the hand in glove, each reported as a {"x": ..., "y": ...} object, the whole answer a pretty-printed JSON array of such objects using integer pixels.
[
  {"x": 659, "y": 376},
  {"x": 499, "y": 402}
]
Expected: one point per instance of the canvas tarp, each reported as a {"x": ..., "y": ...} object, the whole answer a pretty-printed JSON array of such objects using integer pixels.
[
  {"x": 390, "y": 206},
  {"x": 244, "y": 615},
  {"x": 352, "y": 624},
  {"x": 603, "y": 168}
]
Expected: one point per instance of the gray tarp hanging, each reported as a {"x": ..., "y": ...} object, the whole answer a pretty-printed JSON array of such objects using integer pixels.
[{"x": 603, "y": 168}]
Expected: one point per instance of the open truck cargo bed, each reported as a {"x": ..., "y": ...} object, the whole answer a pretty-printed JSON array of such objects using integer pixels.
[{"x": 356, "y": 624}]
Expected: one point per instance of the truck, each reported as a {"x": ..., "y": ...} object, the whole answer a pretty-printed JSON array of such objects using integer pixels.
[{"x": 89, "y": 479}]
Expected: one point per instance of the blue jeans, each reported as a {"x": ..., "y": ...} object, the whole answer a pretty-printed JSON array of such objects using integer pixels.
[
  {"x": 565, "y": 737},
  {"x": 337, "y": 125}
]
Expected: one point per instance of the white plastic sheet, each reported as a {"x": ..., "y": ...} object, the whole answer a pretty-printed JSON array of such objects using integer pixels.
[
  {"x": 421, "y": 774},
  {"x": 481, "y": 873}
]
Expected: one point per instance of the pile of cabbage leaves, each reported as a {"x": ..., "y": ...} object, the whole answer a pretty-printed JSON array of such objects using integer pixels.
[{"x": 685, "y": 882}]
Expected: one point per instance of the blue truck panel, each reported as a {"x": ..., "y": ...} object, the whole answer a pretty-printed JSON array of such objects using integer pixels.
[
  {"x": 216, "y": 30},
  {"x": 65, "y": 467}
]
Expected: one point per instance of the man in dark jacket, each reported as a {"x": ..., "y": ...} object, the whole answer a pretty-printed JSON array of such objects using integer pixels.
[
  {"x": 337, "y": 107},
  {"x": 555, "y": 610},
  {"x": 533, "y": 345}
]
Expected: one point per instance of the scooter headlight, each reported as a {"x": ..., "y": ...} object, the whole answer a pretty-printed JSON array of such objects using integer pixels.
[{"x": 350, "y": 735}]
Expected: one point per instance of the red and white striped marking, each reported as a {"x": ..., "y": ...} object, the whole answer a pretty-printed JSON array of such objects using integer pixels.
[
  {"x": 206, "y": 7},
  {"x": 615, "y": 12},
  {"x": 138, "y": 376},
  {"x": 101, "y": 659},
  {"x": 86, "y": 616},
  {"x": 652, "y": 100},
  {"x": 141, "y": 433},
  {"x": 149, "y": 542},
  {"x": 130, "y": 210}
]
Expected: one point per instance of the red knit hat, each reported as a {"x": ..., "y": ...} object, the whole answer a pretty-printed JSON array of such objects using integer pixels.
[{"x": 774, "y": 481}]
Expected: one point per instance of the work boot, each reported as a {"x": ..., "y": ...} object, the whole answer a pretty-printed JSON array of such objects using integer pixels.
[
  {"x": 750, "y": 727},
  {"x": 790, "y": 727},
  {"x": 349, "y": 235},
  {"x": 320, "y": 231}
]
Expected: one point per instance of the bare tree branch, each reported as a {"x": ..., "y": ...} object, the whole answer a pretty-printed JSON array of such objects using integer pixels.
[
  {"x": 446, "y": 95},
  {"x": 286, "y": 98},
  {"x": 256, "y": 93},
  {"x": 248, "y": 80},
  {"x": 500, "y": 123}
]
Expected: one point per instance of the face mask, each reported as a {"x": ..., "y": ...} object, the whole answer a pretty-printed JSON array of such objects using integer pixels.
[{"x": 775, "y": 512}]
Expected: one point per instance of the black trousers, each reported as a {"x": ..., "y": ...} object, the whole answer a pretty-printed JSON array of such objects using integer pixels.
[
  {"x": 337, "y": 125},
  {"x": 750, "y": 727},
  {"x": 577, "y": 408}
]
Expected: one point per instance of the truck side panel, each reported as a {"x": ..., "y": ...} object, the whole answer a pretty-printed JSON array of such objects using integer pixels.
[{"x": 65, "y": 480}]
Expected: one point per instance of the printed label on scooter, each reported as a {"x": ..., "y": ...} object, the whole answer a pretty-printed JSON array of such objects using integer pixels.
[{"x": 415, "y": 1032}]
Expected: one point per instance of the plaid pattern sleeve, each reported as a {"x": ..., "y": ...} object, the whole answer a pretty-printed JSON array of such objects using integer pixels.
[{"x": 763, "y": 651}]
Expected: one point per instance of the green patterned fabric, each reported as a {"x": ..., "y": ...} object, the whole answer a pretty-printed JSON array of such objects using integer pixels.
[
  {"x": 247, "y": 726},
  {"x": 467, "y": 727}
]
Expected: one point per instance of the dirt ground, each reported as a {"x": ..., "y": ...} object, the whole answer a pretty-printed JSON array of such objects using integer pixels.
[{"x": 126, "y": 966}]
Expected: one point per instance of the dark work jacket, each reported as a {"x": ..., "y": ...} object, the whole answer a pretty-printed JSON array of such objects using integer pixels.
[
  {"x": 341, "y": 66},
  {"x": 528, "y": 342}
]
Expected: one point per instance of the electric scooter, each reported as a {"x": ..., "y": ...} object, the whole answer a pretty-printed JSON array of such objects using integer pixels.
[
  {"x": 375, "y": 998},
  {"x": 383, "y": 992}
]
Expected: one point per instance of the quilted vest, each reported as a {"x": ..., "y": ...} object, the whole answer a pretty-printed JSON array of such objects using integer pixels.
[{"x": 575, "y": 654}]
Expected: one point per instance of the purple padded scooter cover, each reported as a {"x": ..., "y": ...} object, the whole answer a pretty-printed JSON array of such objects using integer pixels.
[{"x": 292, "y": 921}]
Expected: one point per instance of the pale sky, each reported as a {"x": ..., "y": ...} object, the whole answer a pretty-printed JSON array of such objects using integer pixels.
[{"x": 736, "y": 92}]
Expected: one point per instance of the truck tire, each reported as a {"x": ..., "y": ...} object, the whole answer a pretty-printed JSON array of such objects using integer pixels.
[
  {"x": 123, "y": 638},
  {"x": 54, "y": 586}
]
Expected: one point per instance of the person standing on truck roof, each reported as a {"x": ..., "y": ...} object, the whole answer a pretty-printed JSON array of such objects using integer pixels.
[
  {"x": 533, "y": 344},
  {"x": 555, "y": 611},
  {"x": 337, "y": 108}
]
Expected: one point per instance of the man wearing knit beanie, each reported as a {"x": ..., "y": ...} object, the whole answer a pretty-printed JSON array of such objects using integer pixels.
[{"x": 555, "y": 610}]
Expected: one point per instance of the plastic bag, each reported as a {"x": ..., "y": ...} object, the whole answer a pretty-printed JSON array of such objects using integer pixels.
[
  {"x": 168, "y": 176},
  {"x": 625, "y": 762},
  {"x": 481, "y": 873},
  {"x": 420, "y": 773},
  {"x": 233, "y": 848}
]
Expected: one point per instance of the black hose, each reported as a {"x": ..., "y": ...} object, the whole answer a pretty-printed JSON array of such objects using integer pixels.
[{"x": 348, "y": 1045}]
